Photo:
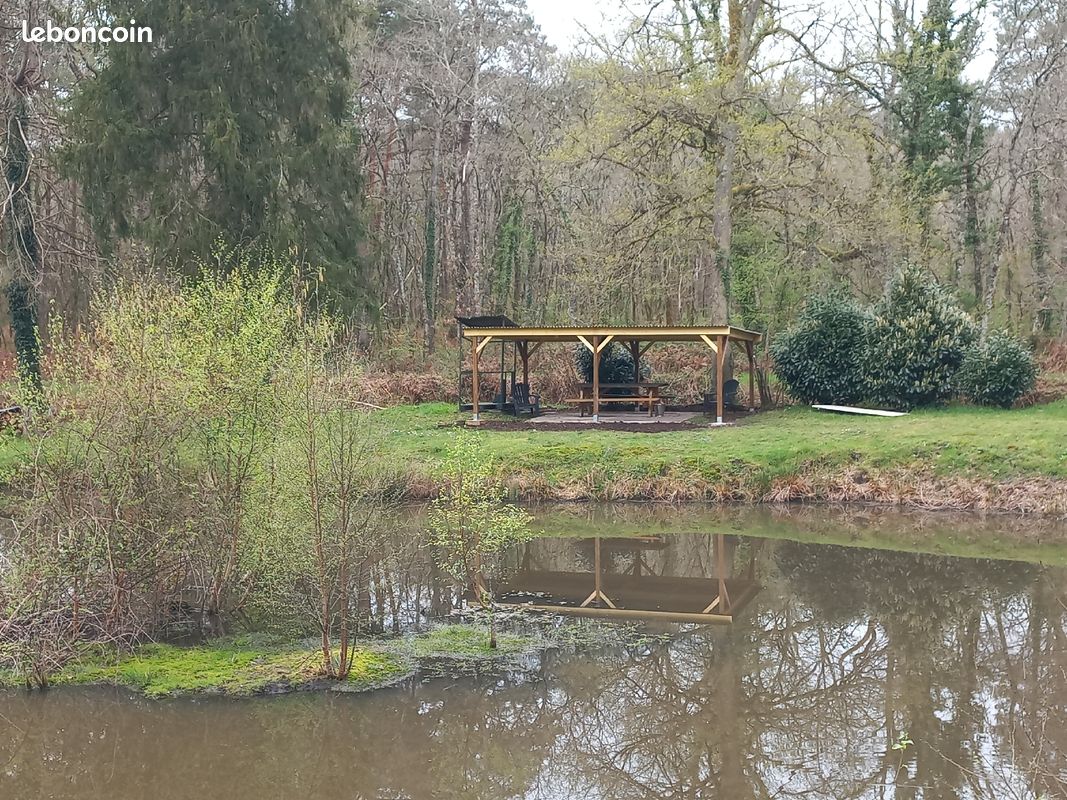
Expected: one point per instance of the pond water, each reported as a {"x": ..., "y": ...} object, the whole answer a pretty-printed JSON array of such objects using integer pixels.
[{"x": 832, "y": 671}]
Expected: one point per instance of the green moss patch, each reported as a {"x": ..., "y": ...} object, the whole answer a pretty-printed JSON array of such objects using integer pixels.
[
  {"x": 250, "y": 665},
  {"x": 469, "y": 642},
  {"x": 227, "y": 666}
]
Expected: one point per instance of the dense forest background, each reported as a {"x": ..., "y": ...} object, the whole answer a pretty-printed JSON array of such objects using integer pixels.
[{"x": 708, "y": 161}]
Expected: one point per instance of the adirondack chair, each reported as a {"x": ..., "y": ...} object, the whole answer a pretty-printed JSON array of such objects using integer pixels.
[
  {"x": 524, "y": 402},
  {"x": 729, "y": 396}
]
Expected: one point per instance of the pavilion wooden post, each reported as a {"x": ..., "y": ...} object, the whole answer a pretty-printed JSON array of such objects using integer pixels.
[
  {"x": 596, "y": 566},
  {"x": 503, "y": 380},
  {"x": 751, "y": 376},
  {"x": 721, "y": 600},
  {"x": 596, "y": 379},
  {"x": 721, "y": 571},
  {"x": 635, "y": 351},
  {"x": 524, "y": 354},
  {"x": 475, "y": 387},
  {"x": 597, "y": 594},
  {"x": 720, "y": 368}
]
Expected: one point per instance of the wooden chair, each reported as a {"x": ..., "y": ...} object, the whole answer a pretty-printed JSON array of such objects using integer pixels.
[
  {"x": 729, "y": 396},
  {"x": 524, "y": 402}
]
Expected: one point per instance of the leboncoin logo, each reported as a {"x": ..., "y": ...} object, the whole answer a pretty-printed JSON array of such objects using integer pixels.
[{"x": 103, "y": 34}]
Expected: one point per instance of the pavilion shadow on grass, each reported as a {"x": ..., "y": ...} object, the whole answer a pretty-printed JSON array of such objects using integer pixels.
[{"x": 482, "y": 332}]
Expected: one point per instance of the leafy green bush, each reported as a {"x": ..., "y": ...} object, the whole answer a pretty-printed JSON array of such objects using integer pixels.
[
  {"x": 821, "y": 359},
  {"x": 918, "y": 340},
  {"x": 997, "y": 372},
  {"x": 616, "y": 364}
]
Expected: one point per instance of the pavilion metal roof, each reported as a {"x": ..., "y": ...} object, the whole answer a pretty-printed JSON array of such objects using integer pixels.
[
  {"x": 642, "y": 333},
  {"x": 488, "y": 321}
]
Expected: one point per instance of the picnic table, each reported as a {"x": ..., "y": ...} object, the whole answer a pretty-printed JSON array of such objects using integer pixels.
[{"x": 641, "y": 393}]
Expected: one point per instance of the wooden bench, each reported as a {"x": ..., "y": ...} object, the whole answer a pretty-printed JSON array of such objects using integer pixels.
[{"x": 649, "y": 399}]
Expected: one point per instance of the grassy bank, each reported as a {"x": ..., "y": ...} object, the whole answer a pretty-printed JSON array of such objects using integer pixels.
[
  {"x": 955, "y": 458},
  {"x": 959, "y": 457},
  {"x": 250, "y": 665}
]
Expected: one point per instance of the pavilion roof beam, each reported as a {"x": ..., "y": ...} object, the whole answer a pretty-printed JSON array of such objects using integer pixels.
[{"x": 646, "y": 334}]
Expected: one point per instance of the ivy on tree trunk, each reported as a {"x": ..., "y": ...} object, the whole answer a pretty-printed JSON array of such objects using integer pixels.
[{"x": 24, "y": 242}]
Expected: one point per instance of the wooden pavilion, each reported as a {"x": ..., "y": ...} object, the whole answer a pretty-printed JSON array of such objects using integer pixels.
[{"x": 483, "y": 331}]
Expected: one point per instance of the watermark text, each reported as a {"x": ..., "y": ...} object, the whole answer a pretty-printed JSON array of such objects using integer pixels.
[{"x": 51, "y": 32}]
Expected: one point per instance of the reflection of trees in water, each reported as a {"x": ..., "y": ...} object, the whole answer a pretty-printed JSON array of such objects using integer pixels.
[
  {"x": 800, "y": 698},
  {"x": 725, "y": 712},
  {"x": 957, "y": 658},
  {"x": 805, "y": 697},
  {"x": 406, "y": 588},
  {"x": 843, "y": 581},
  {"x": 1028, "y": 656}
]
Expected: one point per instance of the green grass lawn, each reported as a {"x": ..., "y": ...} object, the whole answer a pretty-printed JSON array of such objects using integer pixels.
[
  {"x": 955, "y": 442},
  {"x": 959, "y": 441}
]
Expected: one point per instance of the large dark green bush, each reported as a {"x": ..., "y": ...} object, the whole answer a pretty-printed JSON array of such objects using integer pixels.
[
  {"x": 616, "y": 364},
  {"x": 821, "y": 359},
  {"x": 918, "y": 340},
  {"x": 997, "y": 372}
]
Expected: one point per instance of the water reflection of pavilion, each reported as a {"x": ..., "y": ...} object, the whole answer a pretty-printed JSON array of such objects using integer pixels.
[{"x": 692, "y": 578}]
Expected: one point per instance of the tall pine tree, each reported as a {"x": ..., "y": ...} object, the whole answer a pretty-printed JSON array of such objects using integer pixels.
[{"x": 237, "y": 122}]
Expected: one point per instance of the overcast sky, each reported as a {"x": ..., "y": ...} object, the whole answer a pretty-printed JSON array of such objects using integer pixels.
[{"x": 562, "y": 21}]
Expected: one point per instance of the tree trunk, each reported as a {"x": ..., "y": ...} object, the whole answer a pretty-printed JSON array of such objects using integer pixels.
[
  {"x": 972, "y": 236},
  {"x": 742, "y": 15},
  {"x": 717, "y": 306},
  {"x": 477, "y": 288},
  {"x": 995, "y": 256},
  {"x": 429, "y": 261},
  {"x": 1042, "y": 321},
  {"x": 24, "y": 242},
  {"x": 462, "y": 232}
]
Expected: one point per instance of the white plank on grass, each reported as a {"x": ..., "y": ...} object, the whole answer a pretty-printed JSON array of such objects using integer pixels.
[{"x": 871, "y": 412}]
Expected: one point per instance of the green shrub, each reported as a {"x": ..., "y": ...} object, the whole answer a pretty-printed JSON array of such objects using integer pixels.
[
  {"x": 997, "y": 372},
  {"x": 821, "y": 359},
  {"x": 918, "y": 340},
  {"x": 616, "y": 364}
]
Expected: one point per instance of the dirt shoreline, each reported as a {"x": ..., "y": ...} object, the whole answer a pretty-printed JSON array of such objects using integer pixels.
[{"x": 899, "y": 487}]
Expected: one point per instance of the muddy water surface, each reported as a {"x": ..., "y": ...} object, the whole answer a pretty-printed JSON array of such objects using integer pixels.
[{"x": 846, "y": 672}]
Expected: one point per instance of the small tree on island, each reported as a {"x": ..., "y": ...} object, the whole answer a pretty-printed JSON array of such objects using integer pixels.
[
  {"x": 336, "y": 492},
  {"x": 471, "y": 524}
]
